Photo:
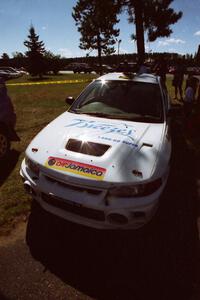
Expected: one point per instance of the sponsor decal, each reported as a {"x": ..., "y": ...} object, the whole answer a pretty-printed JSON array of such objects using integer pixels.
[
  {"x": 133, "y": 145},
  {"x": 121, "y": 129},
  {"x": 75, "y": 167}
]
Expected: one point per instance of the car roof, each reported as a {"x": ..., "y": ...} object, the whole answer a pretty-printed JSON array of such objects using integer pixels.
[{"x": 144, "y": 77}]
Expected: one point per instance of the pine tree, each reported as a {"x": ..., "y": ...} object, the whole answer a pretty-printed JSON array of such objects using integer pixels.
[
  {"x": 198, "y": 55},
  {"x": 95, "y": 20},
  {"x": 53, "y": 62},
  {"x": 152, "y": 16},
  {"x": 35, "y": 53}
]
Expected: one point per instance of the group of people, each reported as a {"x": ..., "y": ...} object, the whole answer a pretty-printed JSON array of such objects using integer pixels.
[
  {"x": 192, "y": 87},
  {"x": 191, "y": 92}
]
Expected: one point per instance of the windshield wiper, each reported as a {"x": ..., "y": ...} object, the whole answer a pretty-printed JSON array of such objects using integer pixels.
[
  {"x": 94, "y": 113},
  {"x": 146, "y": 118},
  {"x": 77, "y": 111},
  {"x": 131, "y": 117}
]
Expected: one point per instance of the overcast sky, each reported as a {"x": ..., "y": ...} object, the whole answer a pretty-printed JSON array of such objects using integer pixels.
[{"x": 53, "y": 22}]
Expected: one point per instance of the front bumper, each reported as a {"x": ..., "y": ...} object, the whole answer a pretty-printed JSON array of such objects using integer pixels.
[{"x": 88, "y": 205}]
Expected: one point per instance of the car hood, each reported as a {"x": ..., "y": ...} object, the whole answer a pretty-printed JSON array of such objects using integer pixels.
[{"x": 126, "y": 151}]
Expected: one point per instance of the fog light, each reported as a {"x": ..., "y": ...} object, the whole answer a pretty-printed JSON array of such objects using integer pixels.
[
  {"x": 28, "y": 188},
  {"x": 117, "y": 218}
]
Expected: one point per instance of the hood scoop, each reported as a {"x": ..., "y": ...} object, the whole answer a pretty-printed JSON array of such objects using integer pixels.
[{"x": 85, "y": 147}]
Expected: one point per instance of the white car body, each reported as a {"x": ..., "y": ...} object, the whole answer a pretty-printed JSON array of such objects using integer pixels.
[{"x": 91, "y": 189}]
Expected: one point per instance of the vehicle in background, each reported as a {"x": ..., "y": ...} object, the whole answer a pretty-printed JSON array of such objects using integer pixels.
[
  {"x": 9, "y": 73},
  {"x": 171, "y": 70},
  {"x": 127, "y": 67},
  {"x": 79, "y": 68},
  {"x": 5, "y": 75},
  {"x": 23, "y": 71},
  {"x": 103, "y": 69}
]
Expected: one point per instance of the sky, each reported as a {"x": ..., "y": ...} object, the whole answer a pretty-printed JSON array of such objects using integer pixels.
[{"x": 55, "y": 26}]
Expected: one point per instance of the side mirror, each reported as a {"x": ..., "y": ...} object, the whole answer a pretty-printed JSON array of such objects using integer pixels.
[{"x": 69, "y": 100}]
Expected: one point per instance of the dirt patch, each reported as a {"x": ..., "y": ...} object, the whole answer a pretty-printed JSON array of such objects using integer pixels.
[{"x": 16, "y": 234}]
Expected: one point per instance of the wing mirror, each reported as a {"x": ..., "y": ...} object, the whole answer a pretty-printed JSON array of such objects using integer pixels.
[{"x": 69, "y": 100}]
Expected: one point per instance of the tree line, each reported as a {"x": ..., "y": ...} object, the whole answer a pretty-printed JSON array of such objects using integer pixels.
[{"x": 96, "y": 20}]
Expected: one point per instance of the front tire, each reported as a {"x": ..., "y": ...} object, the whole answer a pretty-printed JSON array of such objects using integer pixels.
[{"x": 4, "y": 143}]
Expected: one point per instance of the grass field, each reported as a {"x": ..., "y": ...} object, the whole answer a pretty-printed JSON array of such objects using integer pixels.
[
  {"x": 69, "y": 76},
  {"x": 35, "y": 107}
]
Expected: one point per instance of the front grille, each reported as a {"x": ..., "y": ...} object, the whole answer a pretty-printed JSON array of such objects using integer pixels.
[
  {"x": 74, "y": 208},
  {"x": 88, "y": 148},
  {"x": 73, "y": 187}
]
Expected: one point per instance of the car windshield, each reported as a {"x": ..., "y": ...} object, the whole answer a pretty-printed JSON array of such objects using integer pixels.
[{"x": 128, "y": 100}]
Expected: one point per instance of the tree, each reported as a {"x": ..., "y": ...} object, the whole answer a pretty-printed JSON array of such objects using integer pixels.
[
  {"x": 19, "y": 60},
  {"x": 35, "y": 53},
  {"x": 95, "y": 20},
  {"x": 5, "y": 57},
  {"x": 18, "y": 55},
  {"x": 152, "y": 16},
  {"x": 53, "y": 62},
  {"x": 198, "y": 55}
]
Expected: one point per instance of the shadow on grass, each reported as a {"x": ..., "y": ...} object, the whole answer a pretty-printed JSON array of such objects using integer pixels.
[
  {"x": 8, "y": 165},
  {"x": 156, "y": 262}
]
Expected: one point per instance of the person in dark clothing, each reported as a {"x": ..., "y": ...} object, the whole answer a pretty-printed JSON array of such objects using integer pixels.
[
  {"x": 178, "y": 79},
  {"x": 189, "y": 96},
  {"x": 198, "y": 94},
  {"x": 7, "y": 114},
  {"x": 161, "y": 70},
  {"x": 193, "y": 123},
  {"x": 194, "y": 80}
]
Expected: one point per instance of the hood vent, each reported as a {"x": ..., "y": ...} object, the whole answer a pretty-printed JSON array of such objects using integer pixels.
[{"x": 89, "y": 148}]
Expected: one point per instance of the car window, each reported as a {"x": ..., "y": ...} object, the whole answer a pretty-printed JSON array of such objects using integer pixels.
[{"x": 130, "y": 100}]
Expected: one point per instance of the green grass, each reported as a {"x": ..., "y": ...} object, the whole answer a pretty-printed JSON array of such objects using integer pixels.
[
  {"x": 59, "y": 77},
  {"x": 35, "y": 107}
]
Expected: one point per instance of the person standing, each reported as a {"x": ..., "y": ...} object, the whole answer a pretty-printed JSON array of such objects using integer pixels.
[
  {"x": 189, "y": 97},
  {"x": 161, "y": 70},
  {"x": 177, "y": 81},
  {"x": 7, "y": 113}
]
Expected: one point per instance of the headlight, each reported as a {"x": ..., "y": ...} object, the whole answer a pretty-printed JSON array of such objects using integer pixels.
[
  {"x": 139, "y": 190},
  {"x": 32, "y": 166}
]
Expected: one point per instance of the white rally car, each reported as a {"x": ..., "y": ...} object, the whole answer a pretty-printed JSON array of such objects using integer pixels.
[{"x": 105, "y": 162}]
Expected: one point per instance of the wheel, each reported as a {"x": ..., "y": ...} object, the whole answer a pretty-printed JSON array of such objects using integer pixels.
[
  {"x": 4, "y": 143},
  {"x": 35, "y": 231}
]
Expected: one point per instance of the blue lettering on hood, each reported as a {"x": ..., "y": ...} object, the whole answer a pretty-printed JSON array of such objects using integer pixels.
[{"x": 106, "y": 128}]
